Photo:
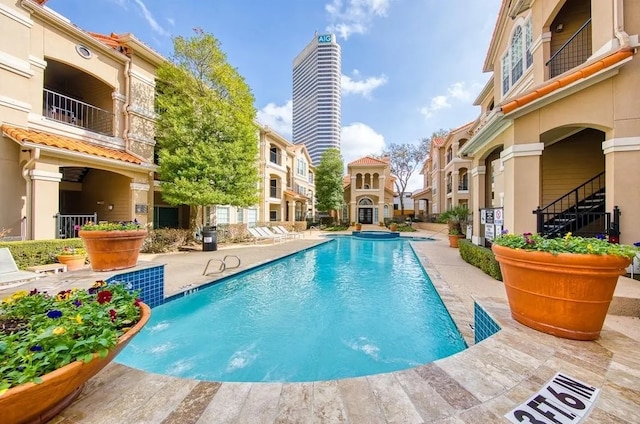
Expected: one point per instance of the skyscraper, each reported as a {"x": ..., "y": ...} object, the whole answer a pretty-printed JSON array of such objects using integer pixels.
[{"x": 317, "y": 73}]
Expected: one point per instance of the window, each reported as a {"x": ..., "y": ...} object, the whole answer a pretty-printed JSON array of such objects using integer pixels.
[
  {"x": 273, "y": 192},
  {"x": 222, "y": 215},
  {"x": 302, "y": 168},
  {"x": 273, "y": 215},
  {"x": 240, "y": 215},
  {"x": 463, "y": 184},
  {"x": 518, "y": 56},
  {"x": 252, "y": 217},
  {"x": 273, "y": 155}
]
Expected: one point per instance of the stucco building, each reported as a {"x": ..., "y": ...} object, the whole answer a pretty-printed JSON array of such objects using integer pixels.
[
  {"x": 77, "y": 122},
  {"x": 368, "y": 191},
  {"x": 559, "y": 130}
]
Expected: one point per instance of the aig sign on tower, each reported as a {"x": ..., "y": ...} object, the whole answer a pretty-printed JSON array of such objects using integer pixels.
[{"x": 324, "y": 38}]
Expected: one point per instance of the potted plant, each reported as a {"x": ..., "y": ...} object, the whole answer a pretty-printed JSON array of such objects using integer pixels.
[
  {"x": 113, "y": 245},
  {"x": 454, "y": 218},
  {"x": 52, "y": 344},
  {"x": 561, "y": 286},
  {"x": 73, "y": 257},
  {"x": 358, "y": 226},
  {"x": 393, "y": 226}
]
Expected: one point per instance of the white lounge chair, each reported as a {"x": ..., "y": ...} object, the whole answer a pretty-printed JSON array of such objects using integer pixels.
[
  {"x": 265, "y": 231},
  {"x": 10, "y": 274},
  {"x": 290, "y": 234},
  {"x": 257, "y": 236}
]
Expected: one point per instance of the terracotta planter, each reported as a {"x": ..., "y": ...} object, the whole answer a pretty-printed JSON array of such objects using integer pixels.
[
  {"x": 358, "y": 227},
  {"x": 453, "y": 239},
  {"x": 38, "y": 403},
  {"x": 112, "y": 250},
  {"x": 73, "y": 262},
  {"x": 567, "y": 295},
  {"x": 393, "y": 227}
]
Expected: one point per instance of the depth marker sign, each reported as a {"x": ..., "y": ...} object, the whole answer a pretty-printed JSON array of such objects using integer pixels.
[{"x": 563, "y": 400}]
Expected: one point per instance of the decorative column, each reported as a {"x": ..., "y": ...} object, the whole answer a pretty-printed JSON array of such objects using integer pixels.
[
  {"x": 622, "y": 179},
  {"x": 522, "y": 195},
  {"x": 455, "y": 177},
  {"x": 44, "y": 203},
  {"x": 292, "y": 211},
  {"x": 140, "y": 201},
  {"x": 477, "y": 201}
]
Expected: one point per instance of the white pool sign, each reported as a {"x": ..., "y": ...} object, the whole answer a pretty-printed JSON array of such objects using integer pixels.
[{"x": 563, "y": 400}]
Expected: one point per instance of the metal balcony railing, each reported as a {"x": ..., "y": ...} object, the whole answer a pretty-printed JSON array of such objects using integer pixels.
[
  {"x": 61, "y": 108},
  {"x": 574, "y": 52}
]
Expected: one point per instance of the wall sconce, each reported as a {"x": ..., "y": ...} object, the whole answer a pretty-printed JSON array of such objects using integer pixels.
[
  {"x": 559, "y": 28},
  {"x": 100, "y": 202},
  {"x": 110, "y": 207}
]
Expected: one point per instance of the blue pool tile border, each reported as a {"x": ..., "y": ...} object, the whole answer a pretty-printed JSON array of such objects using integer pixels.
[
  {"x": 484, "y": 325},
  {"x": 148, "y": 281}
]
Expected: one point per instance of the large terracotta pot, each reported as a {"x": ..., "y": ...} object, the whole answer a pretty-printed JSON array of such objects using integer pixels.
[
  {"x": 111, "y": 250},
  {"x": 567, "y": 295},
  {"x": 38, "y": 403},
  {"x": 73, "y": 262}
]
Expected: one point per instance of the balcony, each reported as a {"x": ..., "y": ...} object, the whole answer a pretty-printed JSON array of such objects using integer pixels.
[
  {"x": 574, "y": 52},
  {"x": 61, "y": 108}
]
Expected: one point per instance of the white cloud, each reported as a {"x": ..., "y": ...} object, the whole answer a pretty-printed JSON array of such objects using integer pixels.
[
  {"x": 359, "y": 140},
  {"x": 457, "y": 91},
  {"x": 146, "y": 14},
  {"x": 171, "y": 21},
  {"x": 363, "y": 87},
  {"x": 279, "y": 118},
  {"x": 354, "y": 16}
]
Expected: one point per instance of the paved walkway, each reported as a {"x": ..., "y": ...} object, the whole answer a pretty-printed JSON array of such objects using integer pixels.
[{"x": 480, "y": 384}]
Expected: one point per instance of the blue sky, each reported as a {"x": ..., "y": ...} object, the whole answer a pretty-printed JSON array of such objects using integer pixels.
[{"x": 410, "y": 67}]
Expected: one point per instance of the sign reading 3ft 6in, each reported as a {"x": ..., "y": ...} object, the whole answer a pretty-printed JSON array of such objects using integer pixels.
[
  {"x": 563, "y": 400},
  {"x": 325, "y": 38}
]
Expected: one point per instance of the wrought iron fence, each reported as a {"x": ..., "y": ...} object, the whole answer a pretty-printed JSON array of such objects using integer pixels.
[
  {"x": 68, "y": 225},
  {"x": 61, "y": 108},
  {"x": 574, "y": 52}
]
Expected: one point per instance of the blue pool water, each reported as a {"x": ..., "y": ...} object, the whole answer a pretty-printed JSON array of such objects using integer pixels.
[{"x": 347, "y": 308}]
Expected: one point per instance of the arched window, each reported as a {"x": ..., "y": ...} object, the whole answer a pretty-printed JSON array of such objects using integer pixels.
[
  {"x": 518, "y": 56},
  {"x": 365, "y": 202}
]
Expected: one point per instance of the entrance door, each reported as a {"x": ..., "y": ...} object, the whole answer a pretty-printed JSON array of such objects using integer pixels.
[{"x": 365, "y": 215}]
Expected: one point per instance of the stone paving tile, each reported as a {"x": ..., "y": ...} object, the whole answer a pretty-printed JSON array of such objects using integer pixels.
[
  {"x": 427, "y": 401},
  {"x": 191, "y": 407},
  {"x": 295, "y": 403},
  {"x": 480, "y": 414},
  {"x": 359, "y": 401},
  {"x": 261, "y": 405},
  {"x": 599, "y": 416},
  {"x": 226, "y": 405},
  {"x": 394, "y": 402},
  {"x": 447, "y": 387},
  {"x": 327, "y": 403},
  {"x": 621, "y": 402},
  {"x": 164, "y": 402}
]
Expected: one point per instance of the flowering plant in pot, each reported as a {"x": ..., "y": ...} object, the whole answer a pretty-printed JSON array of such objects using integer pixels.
[
  {"x": 51, "y": 344},
  {"x": 73, "y": 257},
  {"x": 113, "y": 245},
  {"x": 454, "y": 218},
  {"x": 561, "y": 286}
]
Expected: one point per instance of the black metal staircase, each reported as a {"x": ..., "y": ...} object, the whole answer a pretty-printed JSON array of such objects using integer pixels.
[{"x": 581, "y": 211}]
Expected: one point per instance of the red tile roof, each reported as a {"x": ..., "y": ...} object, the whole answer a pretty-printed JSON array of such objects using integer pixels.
[
  {"x": 438, "y": 141},
  {"x": 21, "y": 136},
  {"x": 369, "y": 161},
  {"x": 563, "y": 81}
]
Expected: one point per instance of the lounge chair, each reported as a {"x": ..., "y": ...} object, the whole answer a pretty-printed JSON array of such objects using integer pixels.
[
  {"x": 291, "y": 234},
  {"x": 257, "y": 236},
  {"x": 9, "y": 272},
  {"x": 265, "y": 231}
]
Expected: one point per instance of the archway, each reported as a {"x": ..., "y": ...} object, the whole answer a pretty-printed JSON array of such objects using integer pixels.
[{"x": 365, "y": 211}]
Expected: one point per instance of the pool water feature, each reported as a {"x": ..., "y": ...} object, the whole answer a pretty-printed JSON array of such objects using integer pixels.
[{"x": 347, "y": 308}]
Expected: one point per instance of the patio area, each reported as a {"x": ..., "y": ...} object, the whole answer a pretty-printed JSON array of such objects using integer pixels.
[{"x": 480, "y": 384}]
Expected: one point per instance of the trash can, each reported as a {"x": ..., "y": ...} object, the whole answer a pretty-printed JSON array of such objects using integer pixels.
[{"x": 209, "y": 239}]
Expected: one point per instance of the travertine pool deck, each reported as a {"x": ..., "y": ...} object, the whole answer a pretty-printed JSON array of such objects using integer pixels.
[{"x": 478, "y": 385}]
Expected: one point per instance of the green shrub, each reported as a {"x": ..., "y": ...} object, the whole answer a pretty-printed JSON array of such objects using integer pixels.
[
  {"x": 164, "y": 240},
  {"x": 39, "y": 252},
  {"x": 336, "y": 228},
  {"x": 405, "y": 228},
  {"x": 480, "y": 257}
]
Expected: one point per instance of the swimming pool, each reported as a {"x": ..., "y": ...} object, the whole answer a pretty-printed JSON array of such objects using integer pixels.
[{"x": 347, "y": 308}]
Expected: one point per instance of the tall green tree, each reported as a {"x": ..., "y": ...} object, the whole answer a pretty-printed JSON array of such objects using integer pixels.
[
  {"x": 329, "y": 189},
  {"x": 206, "y": 135},
  {"x": 404, "y": 159}
]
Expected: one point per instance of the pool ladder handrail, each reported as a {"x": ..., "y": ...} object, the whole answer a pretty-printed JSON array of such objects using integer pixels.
[{"x": 223, "y": 264}]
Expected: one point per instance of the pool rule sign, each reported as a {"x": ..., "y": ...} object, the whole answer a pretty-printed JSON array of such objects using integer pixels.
[
  {"x": 492, "y": 219},
  {"x": 562, "y": 400}
]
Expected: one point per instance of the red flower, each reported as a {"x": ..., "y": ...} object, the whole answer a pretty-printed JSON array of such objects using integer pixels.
[
  {"x": 138, "y": 301},
  {"x": 113, "y": 314},
  {"x": 104, "y": 297}
]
